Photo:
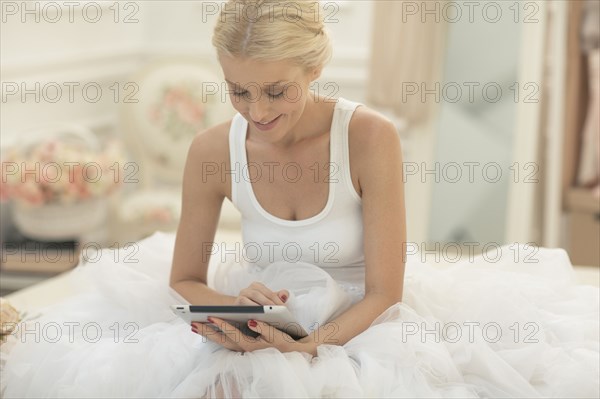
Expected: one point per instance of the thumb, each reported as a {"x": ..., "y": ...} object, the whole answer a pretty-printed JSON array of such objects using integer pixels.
[{"x": 283, "y": 295}]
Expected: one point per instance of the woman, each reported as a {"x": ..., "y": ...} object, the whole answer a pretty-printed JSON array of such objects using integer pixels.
[
  {"x": 286, "y": 129},
  {"x": 500, "y": 326}
]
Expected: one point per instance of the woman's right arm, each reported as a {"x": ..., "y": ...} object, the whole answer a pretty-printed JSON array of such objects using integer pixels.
[{"x": 202, "y": 197}]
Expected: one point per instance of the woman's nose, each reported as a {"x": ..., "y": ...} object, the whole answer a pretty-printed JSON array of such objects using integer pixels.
[{"x": 259, "y": 109}]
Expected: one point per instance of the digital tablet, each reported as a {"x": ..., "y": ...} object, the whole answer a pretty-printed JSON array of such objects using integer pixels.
[{"x": 276, "y": 315}]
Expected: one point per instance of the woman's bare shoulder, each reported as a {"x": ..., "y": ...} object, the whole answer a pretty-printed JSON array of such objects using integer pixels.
[
  {"x": 375, "y": 152},
  {"x": 212, "y": 144},
  {"x": 370, "y": 131},
  {"x": 208, "y": 152}
]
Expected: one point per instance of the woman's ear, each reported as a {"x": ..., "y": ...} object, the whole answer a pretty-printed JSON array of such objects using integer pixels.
[{"x": 315, "y": 73}]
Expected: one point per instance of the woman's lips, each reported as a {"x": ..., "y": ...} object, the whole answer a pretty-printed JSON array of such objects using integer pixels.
[{"x": 268, "y": 126}]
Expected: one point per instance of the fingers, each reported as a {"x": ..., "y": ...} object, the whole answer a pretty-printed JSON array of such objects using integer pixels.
[
  {"x": 258, "y": 298},
  {"x": 270, "y": 334},
  {"x": 230, "y": 335},
  {"x": 232, "y": 338},
  {"x": 284, "y": 295},
  {"x": 271, "y": 296},
  {"x": 225, "y": 334},
  {"x": 211, "y": 333},
  {"x": 245, "y": 301},
  {"x": 262, "y": 295}
]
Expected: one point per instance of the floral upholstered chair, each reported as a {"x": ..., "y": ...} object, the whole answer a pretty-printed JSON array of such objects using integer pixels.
[{"x": 169, "y": 101}]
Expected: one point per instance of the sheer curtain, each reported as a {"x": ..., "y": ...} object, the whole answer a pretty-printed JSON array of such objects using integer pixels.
[{"x": 408, "y": 44}]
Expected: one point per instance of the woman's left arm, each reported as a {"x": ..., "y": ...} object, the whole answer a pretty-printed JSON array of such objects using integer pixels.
[{"x": 384, "y": 222}]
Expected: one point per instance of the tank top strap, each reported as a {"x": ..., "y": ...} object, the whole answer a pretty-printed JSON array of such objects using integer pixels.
[
  {"x": 236, "y": 158},
  {"x": 340, "y": 139}
]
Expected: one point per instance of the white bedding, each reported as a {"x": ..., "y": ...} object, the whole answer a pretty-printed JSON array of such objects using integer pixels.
[
  {"x": 53, "y": 290},
  {"x": 56, "y": 289},
  {"x": 560, "y": 359}
]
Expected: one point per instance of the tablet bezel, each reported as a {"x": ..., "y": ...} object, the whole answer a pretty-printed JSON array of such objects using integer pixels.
[{"x": 278, "y": 316}]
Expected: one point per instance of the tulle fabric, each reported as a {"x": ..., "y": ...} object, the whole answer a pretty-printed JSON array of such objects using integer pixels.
[{"x": 482, "y": 327}]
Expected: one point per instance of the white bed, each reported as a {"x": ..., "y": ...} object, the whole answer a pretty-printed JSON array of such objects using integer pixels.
[
  {"x": 53, "y": 290},
  {"x": 543, "y": 293}
]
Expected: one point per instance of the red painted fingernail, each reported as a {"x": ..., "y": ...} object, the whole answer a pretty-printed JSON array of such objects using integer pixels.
[
  {"x": 194, "y": 329},
  {"x": 210, "y": 320},
  {"x": 284, "y": 298},
  {"x": 252, "y": 323}
]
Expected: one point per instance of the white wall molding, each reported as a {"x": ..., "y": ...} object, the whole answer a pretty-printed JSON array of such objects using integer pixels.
[
  {"x": 555, "y": 127},
  {"x": 522, "y": 206},
  {"x": 101, "y": 60}
]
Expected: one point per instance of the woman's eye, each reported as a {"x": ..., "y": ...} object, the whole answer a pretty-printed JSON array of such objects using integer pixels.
[{"x": 245, "y": 93}]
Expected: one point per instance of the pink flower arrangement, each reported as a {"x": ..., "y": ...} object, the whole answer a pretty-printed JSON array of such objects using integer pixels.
[
  {"x": 63, "y": 172},
  {"x": 179, "y": 111}
]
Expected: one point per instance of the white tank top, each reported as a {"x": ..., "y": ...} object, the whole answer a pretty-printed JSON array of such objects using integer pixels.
[{"x": 332, "y": 239}]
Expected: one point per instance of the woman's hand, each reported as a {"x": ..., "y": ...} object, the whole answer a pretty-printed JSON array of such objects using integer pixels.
[
  {"x": 232, "y": 338},
  {"x": 227, "y": 335},
  {"x": 258, "y": 294}
]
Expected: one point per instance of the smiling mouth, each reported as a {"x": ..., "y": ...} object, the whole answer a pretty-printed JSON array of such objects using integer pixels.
[{"x": 266, "y": 123}]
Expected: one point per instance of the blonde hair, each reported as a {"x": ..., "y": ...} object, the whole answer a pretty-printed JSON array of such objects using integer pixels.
[{"x": 274, "y": 30}]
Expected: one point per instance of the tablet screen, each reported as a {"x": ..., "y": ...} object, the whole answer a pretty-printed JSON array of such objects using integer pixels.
[{"x": 226, "y": 309}]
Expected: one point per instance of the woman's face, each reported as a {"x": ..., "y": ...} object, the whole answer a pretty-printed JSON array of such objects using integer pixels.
[{"x": 271, "y": 96}]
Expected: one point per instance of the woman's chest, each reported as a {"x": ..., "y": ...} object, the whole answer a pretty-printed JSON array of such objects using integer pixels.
[{"x": 291, "y": 186}]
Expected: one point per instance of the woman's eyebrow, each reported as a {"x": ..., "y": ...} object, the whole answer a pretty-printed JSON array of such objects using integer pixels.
[{"x": 271, "y": 84}]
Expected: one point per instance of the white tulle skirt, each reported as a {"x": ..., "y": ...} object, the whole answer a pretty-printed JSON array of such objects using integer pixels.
[{"x": 477, "y": 328}]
